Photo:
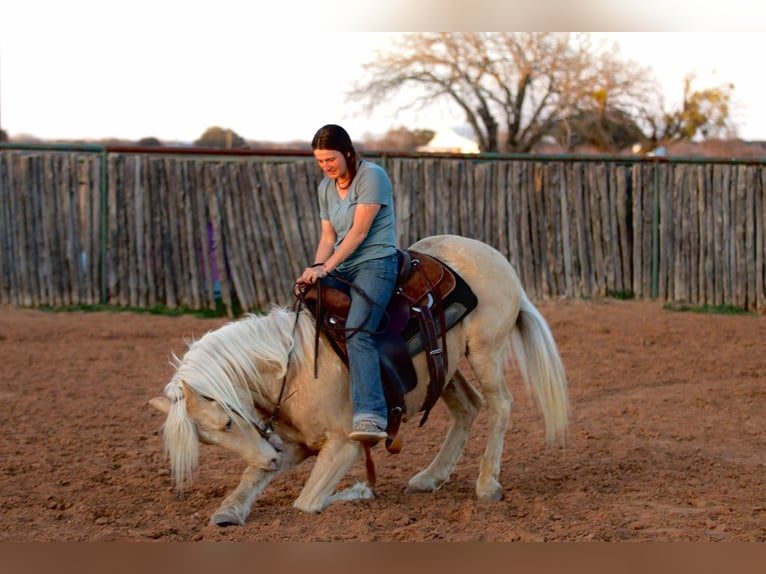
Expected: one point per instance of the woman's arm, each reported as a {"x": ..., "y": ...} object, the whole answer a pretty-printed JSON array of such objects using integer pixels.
[
  {"x": 323, "y": 252},
  {"x": 364, "y": 214},
  {"x": 326, "y": 242}
]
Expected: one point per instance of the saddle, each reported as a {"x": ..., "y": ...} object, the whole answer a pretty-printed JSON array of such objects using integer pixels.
[{"x": 429, "y": 298}]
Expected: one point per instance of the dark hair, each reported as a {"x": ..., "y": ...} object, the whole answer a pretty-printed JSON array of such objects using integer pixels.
[{"x": 335, "y": 138}]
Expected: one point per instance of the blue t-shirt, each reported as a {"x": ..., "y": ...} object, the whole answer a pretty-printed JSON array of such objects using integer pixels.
[{"x": 371, "y": 185}]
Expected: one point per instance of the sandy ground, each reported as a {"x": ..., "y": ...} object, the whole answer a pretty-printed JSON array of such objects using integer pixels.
[{"x": 667, "y": 440}]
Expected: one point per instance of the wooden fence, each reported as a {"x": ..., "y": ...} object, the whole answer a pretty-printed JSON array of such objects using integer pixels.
[{"x": 140, "y": 229}]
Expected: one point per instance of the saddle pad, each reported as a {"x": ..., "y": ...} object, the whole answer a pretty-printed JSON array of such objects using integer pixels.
[{"x": 457, "y": 304}]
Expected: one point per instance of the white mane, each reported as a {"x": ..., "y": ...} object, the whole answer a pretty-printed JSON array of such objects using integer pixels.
[
  {"x": 231, "y": 366},
  {"x": 228, "y": 364}
]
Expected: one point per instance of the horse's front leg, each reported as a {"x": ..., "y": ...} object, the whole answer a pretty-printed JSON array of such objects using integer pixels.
[
  {"x": 333, "y": 461},
  {"x": 236, "y": 507}
]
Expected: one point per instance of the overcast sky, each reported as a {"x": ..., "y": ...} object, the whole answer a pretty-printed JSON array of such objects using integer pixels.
[{"x": 277, "y": 71}]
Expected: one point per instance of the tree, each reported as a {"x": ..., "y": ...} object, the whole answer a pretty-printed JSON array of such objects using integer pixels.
[
  {"x": 518, "y": 85},
  {"x": 150, "y": 141},
  {"x": 702, "y": 113},
  {"x": 217, "y": 137},
  {"x": 3, "y": 136},
  {"x": 606, "y": 131},
  {"x": 399, "y": 139}
]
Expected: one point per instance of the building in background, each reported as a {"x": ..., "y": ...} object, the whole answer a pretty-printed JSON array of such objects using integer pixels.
[{"x": 447, "y": 140}]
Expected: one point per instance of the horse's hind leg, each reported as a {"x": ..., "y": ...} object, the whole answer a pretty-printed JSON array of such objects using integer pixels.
[
  {"x": 464, "y": 404},
  {"x": 498, "y": 399}
]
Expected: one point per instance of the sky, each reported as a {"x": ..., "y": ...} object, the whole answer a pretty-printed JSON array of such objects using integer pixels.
[{"x": 277, "y": 71}]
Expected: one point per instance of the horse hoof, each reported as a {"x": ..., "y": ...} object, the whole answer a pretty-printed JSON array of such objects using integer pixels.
[
  {"x": 224, "y": 519},
  {"x": 491, "y": 495},
  {"x": 496, "y": 496},
  {"x": 422, "y": 486},
  {"x": 312, "y": 509}
]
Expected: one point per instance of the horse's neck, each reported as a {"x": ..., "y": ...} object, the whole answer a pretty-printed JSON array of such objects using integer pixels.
[
  {"x": 265, "y": 391},
  {"x": 272, "y": 388}
]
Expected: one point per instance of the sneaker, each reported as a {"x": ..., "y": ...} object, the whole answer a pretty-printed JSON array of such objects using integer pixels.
[{"x": 367, "y": 431}]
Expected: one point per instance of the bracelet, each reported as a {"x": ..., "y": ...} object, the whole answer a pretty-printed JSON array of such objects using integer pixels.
[{"x": 316, "y": 264}]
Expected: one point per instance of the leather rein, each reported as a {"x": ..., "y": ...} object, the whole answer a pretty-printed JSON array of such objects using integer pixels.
[{"x": 298, "y": 306}]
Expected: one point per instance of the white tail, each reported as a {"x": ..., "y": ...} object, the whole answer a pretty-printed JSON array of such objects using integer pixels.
[{"x": 541, "y": 369}]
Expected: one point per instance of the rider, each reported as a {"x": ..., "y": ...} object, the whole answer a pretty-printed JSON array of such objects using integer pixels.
[{"x": 357, "y": 243}]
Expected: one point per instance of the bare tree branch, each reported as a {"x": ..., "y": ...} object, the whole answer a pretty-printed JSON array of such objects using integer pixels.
[{"x": 517, "y": 88}]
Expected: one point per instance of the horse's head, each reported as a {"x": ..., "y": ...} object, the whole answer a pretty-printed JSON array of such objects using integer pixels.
[
  {"x": 193, "y": 418},
  {"x": 213, "y": 395}
]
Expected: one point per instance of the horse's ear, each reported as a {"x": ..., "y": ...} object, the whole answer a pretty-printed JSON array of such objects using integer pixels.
[{"x": 161, "y": 404}]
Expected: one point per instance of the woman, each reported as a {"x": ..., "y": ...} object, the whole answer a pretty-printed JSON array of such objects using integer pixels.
[{"x": 357, "y": 243}]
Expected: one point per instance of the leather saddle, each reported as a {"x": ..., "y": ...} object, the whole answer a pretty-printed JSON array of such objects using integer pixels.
[{"x": 428, "y": 295}]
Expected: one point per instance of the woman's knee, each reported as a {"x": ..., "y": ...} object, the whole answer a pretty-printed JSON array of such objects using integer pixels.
[{"x": 362, "y": 343}]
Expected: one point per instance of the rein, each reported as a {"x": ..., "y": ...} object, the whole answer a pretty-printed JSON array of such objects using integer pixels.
[
  {"x": 348, "y": 332},
  {"x": 273, "y": 419},
  {"x": 268, "y": 429},
  {"x": 351, "y": 331},
  {"x": 298, "y": 306}
]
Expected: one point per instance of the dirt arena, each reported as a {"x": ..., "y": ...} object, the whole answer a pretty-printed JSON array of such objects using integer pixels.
[{"x": 666, "y": 442}]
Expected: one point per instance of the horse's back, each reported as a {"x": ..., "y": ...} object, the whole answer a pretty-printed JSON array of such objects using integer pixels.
[{"x": 489, "y": 274}]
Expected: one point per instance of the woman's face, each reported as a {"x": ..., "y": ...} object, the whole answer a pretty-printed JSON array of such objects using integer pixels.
[{"x": 331, "y": 162}]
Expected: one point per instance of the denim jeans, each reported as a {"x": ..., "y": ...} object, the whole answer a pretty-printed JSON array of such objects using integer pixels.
[{"x": 377, "y": 279}]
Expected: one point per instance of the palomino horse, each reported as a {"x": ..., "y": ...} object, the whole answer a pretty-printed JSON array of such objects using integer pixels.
[{"x": 231, "y": 380}]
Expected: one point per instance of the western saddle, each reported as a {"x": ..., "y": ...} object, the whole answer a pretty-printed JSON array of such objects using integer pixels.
[{"x": 428, "y": 295}]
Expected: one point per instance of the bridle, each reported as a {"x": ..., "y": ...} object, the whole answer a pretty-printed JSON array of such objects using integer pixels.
[
  {"x": 273, "y": 420},
  {"x": 267, "y": 430},
  {"x": 298, "y": 306}
]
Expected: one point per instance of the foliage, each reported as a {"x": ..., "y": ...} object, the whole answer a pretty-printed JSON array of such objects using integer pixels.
[
  {"x": 149, "y": 142},
  {"x": 702, "y": 113},
  {"x": 3, "y": 136},
  {"x": 399, "y": 139},
  {"x": 217, "y": 137},
  {"x": 608, "y": 130},
  {"x": 714, "y": 309},
  {"x": 621, "y": 295}
]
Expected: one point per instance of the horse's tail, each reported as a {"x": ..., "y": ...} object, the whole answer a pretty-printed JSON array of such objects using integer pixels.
[
  {"x": 181, "y": 443},
  {"x": 541, "y": 369}
]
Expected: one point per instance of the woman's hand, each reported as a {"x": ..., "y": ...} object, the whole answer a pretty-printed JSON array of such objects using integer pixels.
[{"x": 312, "y": 274}]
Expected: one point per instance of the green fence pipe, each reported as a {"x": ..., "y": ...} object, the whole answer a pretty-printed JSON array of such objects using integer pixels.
[
  {"x": 655, "y": 287},
  {"x": 104, "y": 190}
]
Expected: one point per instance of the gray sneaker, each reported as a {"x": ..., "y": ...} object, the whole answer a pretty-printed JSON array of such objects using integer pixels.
[{"x": 367, "y": 431}]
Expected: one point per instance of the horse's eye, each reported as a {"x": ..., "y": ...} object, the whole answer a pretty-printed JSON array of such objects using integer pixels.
[{"x": 228, "y": 424}]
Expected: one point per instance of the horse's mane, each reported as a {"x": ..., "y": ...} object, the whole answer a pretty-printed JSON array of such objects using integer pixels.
[{"x": 230, "y": 366}]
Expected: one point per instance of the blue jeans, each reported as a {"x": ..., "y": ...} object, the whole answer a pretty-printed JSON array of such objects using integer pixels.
[{"x": 377, "y": 279}]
